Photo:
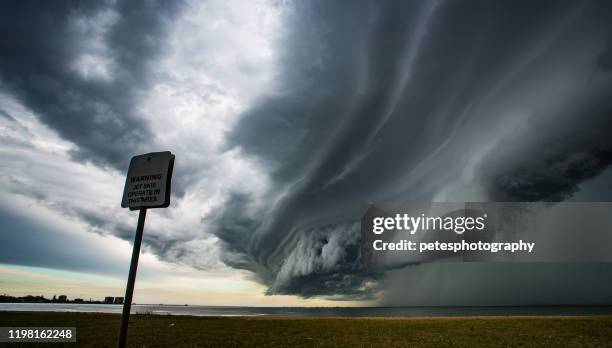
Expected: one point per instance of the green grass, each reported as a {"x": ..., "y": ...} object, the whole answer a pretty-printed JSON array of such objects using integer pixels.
[{"x": 100, "y": 330}]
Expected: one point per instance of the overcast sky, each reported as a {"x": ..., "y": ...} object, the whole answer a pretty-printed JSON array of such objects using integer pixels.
[{"x": 286, "y": 119}]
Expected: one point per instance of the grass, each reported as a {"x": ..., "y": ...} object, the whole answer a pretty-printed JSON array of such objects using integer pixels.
[{"x": 100, "y": 330}]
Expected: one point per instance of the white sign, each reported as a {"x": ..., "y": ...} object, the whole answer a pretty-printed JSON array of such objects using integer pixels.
[{"x": 148, "y": 181}]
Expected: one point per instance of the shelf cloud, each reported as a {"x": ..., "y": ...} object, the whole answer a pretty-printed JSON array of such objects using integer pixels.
[{"x": 289, "y": 118}]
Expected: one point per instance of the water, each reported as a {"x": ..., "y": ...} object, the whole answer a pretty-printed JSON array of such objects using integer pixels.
[{"x": 313, "y": 312}]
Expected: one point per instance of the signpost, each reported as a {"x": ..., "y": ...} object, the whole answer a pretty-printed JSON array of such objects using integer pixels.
[{"x": 147, "y": 185}]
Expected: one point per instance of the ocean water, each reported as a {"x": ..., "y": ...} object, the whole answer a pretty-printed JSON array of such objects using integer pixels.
[{"x": 313, "y": 312}]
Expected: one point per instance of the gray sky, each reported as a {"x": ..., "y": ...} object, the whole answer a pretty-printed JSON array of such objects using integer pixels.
[{"x": 287, "y": 118}]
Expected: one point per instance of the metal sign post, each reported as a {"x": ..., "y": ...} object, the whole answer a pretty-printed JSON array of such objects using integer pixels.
[
  {"x": 129, "y": 290},
  {"x": 147, "y": 185}
]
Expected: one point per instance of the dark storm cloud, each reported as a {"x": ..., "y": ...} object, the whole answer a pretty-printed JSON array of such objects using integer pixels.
[
  {"x": 391, "y": 101},
  {"x": 552, "y": 165},
  {"x": 605, "y": 58},
  {"x": 377, "y": 102},
  {"x": 40, "y": 44},
  {"x": 576, "y": 146}
]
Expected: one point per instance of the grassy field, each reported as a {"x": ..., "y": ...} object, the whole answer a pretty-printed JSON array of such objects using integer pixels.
[{"x": 100, "y": 330}]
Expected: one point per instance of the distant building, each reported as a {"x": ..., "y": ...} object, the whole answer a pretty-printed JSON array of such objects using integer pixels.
[
  {"x": 118, "y": 300},
  {"x": 62, "y": 298},
  {"x": 78, "y": 300},
  {"x": 109, "y": 299}
]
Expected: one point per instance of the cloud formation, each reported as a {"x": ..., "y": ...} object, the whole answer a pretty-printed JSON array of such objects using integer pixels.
[
  {"x": 289, "y": 118},
  {"x": 416, "y": 101},
  {"x": 130, "y": 77},
  {"x": 80, "y": 66}
]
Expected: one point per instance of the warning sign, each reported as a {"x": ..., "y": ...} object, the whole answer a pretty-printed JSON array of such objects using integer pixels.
[{"x": 148, "y": 181}]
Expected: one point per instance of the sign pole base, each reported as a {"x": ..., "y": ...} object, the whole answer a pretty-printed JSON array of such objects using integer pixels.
[{"x": 129, "y": 290}]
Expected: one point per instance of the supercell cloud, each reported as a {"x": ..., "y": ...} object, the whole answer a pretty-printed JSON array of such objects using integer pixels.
[
  {"x": 418, "y": 101},
  {"x": 289, "y": 118}
]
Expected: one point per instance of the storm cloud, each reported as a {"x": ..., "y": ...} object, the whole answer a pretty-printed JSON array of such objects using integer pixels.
[
  {"x": 283, "y": 140},
  {"x": 79, "y": 66},
  {"x": 418, "y": 101}
]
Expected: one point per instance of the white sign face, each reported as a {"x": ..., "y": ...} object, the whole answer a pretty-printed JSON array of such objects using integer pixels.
[{"x": 148, "y": 181}]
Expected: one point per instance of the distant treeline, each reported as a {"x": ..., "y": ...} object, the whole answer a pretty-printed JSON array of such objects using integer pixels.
[{"x": 41, "y": 299}]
